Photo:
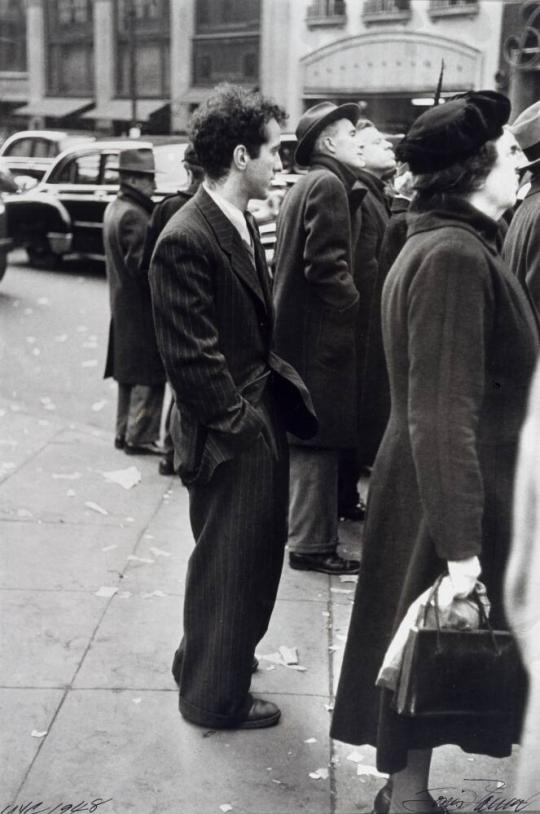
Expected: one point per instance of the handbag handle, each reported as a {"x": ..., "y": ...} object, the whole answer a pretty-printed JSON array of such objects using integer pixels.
[{"x": 483, "y": 616}]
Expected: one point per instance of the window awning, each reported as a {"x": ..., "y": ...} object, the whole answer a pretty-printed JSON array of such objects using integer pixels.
[
  {"x": 120, "y": 109},
  {"x": 54, "y": 106}
]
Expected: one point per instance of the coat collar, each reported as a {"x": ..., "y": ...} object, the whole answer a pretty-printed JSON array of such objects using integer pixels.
[
  {"x": 451, "y": 210},
  {"x": 535, "y": 185},
  {"x": 129, "y": 193},
  {"x": 356, "y": 191},
  {"x": 230, "y": 241}
]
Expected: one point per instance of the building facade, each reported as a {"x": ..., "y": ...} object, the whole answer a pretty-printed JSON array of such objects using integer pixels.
[{"x": 104, "y": 64}]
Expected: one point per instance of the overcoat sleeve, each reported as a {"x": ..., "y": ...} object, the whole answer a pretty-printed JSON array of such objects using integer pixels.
[
  {"x": 327, "y": 248},
  {"x": 132, "y": 233},
  {"x": 450, "y": 314},
  {"x": 186, "y": 329},
  {"x": 532, "y": 260}
]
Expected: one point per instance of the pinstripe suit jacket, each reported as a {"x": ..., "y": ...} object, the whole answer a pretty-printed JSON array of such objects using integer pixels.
[{"x": 213, "y": 317}]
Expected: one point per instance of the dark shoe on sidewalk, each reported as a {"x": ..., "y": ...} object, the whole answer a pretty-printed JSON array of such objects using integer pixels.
[
  {"x": 381, "y": 804},
  {"x": 323, "y": 563},
  {"x": 177, "y": 666},
  {"x": 166, "y": 465},
  {"x": 120, "y": 441},
  {"x": 261, "y": 715},
  {"x": 357, "y": 512},
  {"x": 142, "y": 449}
]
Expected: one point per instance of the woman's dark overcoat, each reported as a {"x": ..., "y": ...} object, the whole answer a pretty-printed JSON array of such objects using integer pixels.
[
  {"x": 461, "y": 343},
  {"x": 132, "y": 353},
  {"x": 315, "y": 299}
]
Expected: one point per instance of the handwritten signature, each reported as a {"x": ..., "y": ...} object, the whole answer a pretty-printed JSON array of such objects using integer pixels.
[
  {"x": 490, "y": 796},
  {"x": 61, "y": 808}
]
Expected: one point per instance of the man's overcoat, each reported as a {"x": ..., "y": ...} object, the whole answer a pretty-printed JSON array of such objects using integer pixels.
[
  {"x": 521, "y": 248},
  {"x": 315, "y": 298},
  {"x": 132, "y": 354}
]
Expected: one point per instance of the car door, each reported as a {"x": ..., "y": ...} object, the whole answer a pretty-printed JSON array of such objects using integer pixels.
[{"x": 77, "y": 185}]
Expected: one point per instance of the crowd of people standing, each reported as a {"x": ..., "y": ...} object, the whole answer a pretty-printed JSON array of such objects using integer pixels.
[{"x": 395, "y": 335}]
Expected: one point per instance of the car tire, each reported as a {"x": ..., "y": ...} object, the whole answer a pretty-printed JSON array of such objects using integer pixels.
[
  {"x": 3, "y": 264},
  {"x": 40, "y": 254}
]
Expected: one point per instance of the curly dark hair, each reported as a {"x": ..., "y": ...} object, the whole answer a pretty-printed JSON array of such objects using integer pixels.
[
  {"x": 461, "y": 178},
  {"x": 230, "y": 116}
]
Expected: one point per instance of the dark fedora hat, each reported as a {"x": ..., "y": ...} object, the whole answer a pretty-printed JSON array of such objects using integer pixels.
[
  {"x": 453, "y": 131},
  {"x": 313, "y": 122},
  {"x": 526, "y": 131},
  {"x": 138, "y": 160}
]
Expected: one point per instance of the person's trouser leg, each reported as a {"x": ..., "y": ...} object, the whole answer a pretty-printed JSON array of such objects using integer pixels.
[
  {"x": 239, "y": 521},
  {"x": 348, "y": 476},
  {"x": 144, "y": 419},
  {"x": 313, "y": 520},
  {"x": 122, "y": 409}
]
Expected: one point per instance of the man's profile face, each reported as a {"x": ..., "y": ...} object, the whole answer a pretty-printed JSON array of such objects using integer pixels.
[
  {"x": 345, "y": 143},
  {"x": 261, "y": 170},
  {"x": 377, "y": 152}
]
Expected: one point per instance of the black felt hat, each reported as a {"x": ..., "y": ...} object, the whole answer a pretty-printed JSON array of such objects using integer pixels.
[
  {"x": 313, "y": 122},
  {"x": 453, "y": 131}
]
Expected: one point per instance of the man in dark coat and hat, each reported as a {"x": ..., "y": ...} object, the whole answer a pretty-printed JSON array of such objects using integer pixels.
[
  {"x": 368, "y": 229},
  {"x": 521, "y": 248},
  {"x": 316, "y": 304},
  {"x": 132, "y": 357}
]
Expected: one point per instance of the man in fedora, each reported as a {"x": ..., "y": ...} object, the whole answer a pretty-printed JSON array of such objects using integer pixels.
[
  {"x": 234, "y": 401},
  {"x": 132, "y": 357},
  {"x": 316, "y": 304},
  {"x": 521, "y": 248}
]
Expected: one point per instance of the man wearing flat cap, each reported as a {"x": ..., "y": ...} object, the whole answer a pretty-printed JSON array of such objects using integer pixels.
[
  {"x": 133, "y": 358},
  {"x": 316, "y": 304},
  {"x": 521, "y": 248}
]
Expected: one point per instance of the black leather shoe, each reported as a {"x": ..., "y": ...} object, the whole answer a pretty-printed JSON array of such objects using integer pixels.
[
  {"x": 120, "y": 441},
  {"x": 177, "y": 666},
  {"x": 166, "y": 466},
  {"x": 142, "y": 449},
  {"x": 323, "y": 563},
  {"x": 357, "y": 512},
  {"x": 261, "y": 714}
]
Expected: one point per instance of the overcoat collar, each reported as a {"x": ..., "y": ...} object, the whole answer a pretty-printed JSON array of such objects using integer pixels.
[
  {"x": 134, "y": 195},
  {"x": 230, "y": 241},
  {"x": 451, "y": 210},
  {"x": 355, "y": 190},
  {"x": 373, "y": 185},
  {"x": 535, "y": 185}
]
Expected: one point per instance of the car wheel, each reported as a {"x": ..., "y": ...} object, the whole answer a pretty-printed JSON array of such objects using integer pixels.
[
  {"x": 40, "y": 254},
  {"x": 3, "y": 264}
]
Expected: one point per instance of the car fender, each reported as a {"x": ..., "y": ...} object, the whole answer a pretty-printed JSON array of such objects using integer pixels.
[{"x": 26, "y": 215}]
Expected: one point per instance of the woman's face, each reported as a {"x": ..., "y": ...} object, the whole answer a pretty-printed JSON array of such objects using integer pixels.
[{"x": 501, "y": 185}]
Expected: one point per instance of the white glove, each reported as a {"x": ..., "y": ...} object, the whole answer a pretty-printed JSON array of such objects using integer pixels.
[{"x": 463, "y": 575}]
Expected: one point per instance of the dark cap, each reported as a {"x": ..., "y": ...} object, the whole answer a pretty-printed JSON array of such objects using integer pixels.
[
  {"x": 135, "y": 160},
  {"x": 453, "y": 131},
  {"x": 313, "y": 122}
]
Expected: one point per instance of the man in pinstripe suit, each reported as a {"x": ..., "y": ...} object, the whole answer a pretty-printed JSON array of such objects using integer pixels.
[{"x": 235, "y": 401}]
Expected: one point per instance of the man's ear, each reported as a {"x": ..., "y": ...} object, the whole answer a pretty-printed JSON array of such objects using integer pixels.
[{"x": 240, "y": 157}]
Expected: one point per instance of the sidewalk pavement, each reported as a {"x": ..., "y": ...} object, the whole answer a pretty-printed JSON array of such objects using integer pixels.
[{"x": 92, "y": 582}]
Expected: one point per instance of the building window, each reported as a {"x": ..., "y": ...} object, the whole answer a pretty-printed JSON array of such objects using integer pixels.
[
  {"x": 453, "y": 8},
  {"x": 380, "y": 11},
  {"x": 326, "y": 13},
  {"x": 226, "y": 44},
  {"x": 70, "y": 47},
  {"x": 151, "y": 24},
  {"x": 237, "y": 15},
  {"x": 12, "y": 36}
]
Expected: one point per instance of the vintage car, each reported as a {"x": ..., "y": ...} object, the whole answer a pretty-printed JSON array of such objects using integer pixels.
[
  {"x": 63, "y": 214},
  {"x": 32, "y": 152}
]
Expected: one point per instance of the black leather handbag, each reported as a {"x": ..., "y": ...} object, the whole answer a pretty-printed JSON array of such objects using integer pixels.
[{"x": 459, "y": 673}]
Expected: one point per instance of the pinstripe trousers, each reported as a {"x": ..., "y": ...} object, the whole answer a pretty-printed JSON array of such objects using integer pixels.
[{"x": 239, "y": 521}]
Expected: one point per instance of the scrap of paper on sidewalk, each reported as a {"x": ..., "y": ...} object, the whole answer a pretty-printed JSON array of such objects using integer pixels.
[{"x": 128, "y": 478}]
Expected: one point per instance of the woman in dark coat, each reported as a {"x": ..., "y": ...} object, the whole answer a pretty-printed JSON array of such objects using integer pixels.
[{"x": 461, "y": 342}]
